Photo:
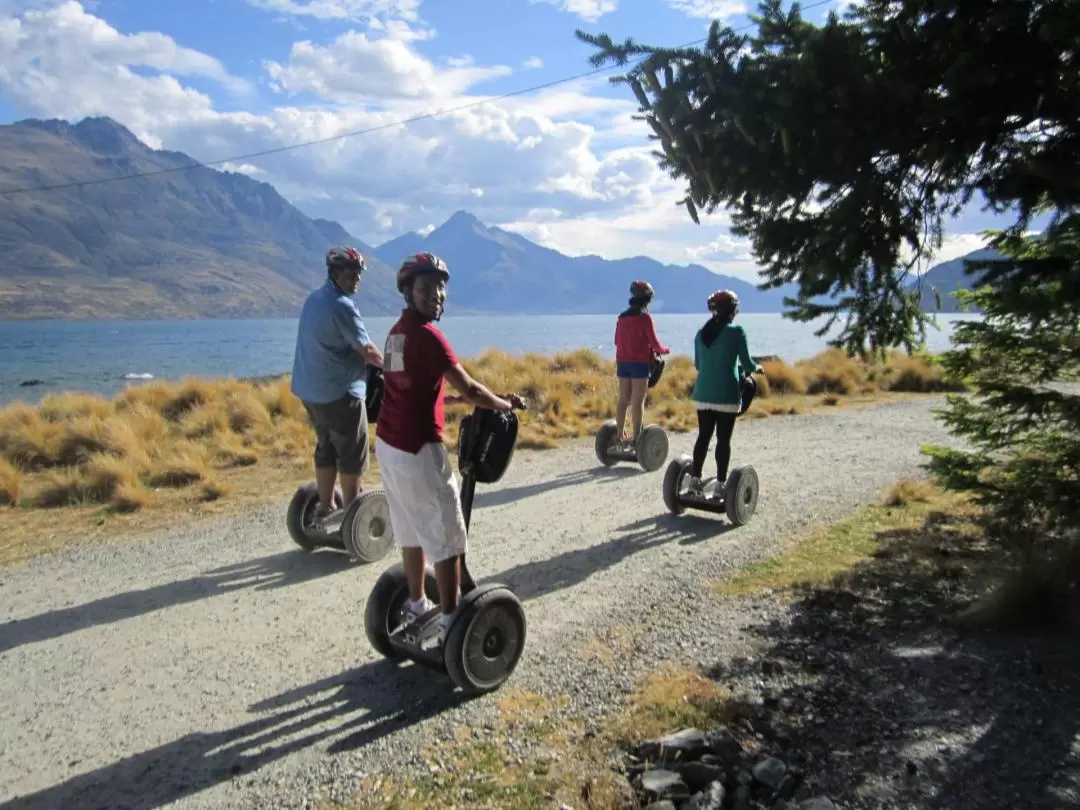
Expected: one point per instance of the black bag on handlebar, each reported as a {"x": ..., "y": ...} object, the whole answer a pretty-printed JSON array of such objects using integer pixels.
[
  {"x": 487, "y": 440},
  {"x": 656, "y": 370},
  {"x": 373, "y": 398},
  {"x": 747, "y": 390}
]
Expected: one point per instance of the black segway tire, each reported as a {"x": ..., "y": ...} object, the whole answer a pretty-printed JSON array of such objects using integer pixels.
[
  {"x": 384, "y": 605},
  {"x": 678, "y": 468},
  {"x": 301, "y": 509},
  {"x": 365, "y": 529},
  {"x": 486, "y": 640},
  {"x": 741, "y": 494},
  {"x": 604, "y": 437},
  {"x": 652, "y": 448}
]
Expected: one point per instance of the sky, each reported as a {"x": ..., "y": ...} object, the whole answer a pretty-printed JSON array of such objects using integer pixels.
[{"x": 565, "y": 166}]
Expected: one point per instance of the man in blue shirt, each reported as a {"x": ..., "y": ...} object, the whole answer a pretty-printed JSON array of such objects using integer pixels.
[{"x": 329, "y": 376}]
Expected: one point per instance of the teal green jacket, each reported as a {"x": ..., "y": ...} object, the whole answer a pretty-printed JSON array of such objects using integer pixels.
[{"x": 718, "y": 366}]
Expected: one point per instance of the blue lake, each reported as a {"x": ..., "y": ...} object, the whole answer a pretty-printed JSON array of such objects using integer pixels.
[{"x": 95, "y": 356}]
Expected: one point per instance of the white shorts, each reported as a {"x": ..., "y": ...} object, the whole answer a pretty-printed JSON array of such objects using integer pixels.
[{"x": 422, "y": 492}]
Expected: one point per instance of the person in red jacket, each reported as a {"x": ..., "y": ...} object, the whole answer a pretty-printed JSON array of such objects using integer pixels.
[{"x": 636, "y": 344}]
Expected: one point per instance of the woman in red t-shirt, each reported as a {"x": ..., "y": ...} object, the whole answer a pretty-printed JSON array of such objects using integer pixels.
[{"x": 636, "y": 344}]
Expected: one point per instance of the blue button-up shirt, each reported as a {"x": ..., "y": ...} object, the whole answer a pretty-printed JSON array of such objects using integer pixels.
[{"x": 326, "y": 366}]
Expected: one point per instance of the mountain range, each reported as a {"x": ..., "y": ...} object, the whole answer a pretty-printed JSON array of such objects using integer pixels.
[{"x": 197, "y": 243}]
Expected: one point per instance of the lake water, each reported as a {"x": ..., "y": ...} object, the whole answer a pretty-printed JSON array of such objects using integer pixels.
[{"x": 95, "y": 356}]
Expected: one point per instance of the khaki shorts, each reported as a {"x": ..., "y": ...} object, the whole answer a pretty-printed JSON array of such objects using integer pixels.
[
  {"x": 423, "y": 494},
  {"x": 341, "y": 432}
]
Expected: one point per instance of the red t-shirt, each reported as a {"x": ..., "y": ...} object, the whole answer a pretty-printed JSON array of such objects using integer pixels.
[{"x": 415, "y": 358}]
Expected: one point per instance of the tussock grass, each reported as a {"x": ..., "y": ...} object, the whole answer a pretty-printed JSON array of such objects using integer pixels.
[
  {"x": 181, "y": 446},
  {"x": 555, "y": 759},
  {"x": 10, "y": 483},
  {"x": 820, "y": 557}
]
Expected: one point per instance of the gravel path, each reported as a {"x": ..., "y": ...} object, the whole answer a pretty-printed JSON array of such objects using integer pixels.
[{"x": 219, "y": 666}]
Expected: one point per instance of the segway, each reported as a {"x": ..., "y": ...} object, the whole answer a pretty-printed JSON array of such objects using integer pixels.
[
  {"x": 486, "y": 637},
  {"x": 363, "y": 527},
  {"x": 649, "y": 449},
  {"x": 737, "y": 497}
]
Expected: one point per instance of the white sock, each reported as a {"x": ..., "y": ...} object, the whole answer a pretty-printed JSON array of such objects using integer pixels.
[
  {"x": 444, "y": 621},
  {"x": 421, "y": 605}
]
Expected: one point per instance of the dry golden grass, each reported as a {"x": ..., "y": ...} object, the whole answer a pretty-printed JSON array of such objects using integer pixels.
[
  {"x": 161, "y": 449},
  {"x": 10, "y": 483},
  {"x": 561, "y": 763},
  {"x": 821, "y": 556}
]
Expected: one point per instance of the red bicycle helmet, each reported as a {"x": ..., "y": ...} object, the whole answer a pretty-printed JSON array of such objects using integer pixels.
[
  {"x": 418, "y": 264},
  {"x": 344, "y": 258},
  {"x": 724, "y": 301},
  {"x": 641, "y": 289}
]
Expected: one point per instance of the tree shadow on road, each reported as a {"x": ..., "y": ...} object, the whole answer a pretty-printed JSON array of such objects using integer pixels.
[
  {"x": 265, "y": 573},
  {"x": 540, "y": 577},
  {"x": 899, "y": 705},
  {"x": 499, "y": 497},
  {"x": 349, "y": 711}
]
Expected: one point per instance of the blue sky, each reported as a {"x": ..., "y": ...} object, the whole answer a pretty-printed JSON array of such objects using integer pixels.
[{"x": 565, "y": 166}]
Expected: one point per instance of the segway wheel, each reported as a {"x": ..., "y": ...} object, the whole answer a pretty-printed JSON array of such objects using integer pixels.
[
  {"x": 366, "y": 529},
  {"x": 383, "y": 610},
  {"x": 676, "y": 471},
  {"x": 741, "y": 494},
  {"x": 652, "y": 448},
  {"x": 486, "y": 640},
  {"x": 301, "y": 512},
  {"x": 604, "y": 437}
]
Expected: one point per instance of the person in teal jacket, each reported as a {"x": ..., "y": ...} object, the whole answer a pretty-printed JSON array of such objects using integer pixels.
[{"x": 722, "y": 358}]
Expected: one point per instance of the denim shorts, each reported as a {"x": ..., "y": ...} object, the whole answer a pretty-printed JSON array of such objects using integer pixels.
[{"x": 635, "y": 371}]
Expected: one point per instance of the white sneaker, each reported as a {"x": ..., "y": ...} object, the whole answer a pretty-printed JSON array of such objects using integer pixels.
[{"x": 437, "y": 638}]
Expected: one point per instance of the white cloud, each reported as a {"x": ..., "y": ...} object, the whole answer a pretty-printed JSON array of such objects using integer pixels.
[
  {"x": 652, "y": 225},
  {"x": 590, "y": 10},
  {"x": 724, "y": 248},
  {"x": 709, "y": 9},
  {"x": 533, "y": 63},
  {"x": 355, "y": 67},
  {"x": 66, "y": 40},
  {"x": 563, "y": 165},
  {"x": 362, "y": 10}
]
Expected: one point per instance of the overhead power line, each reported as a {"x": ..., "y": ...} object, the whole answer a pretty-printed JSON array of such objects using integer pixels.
[{"x": 355, "y": 133}]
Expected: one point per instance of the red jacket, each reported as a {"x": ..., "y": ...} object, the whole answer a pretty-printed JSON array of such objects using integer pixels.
[{"x": 636, "y": 340}]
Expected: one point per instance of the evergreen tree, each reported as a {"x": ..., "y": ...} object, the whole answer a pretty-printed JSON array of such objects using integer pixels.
[
  {"x": 1022, "y": 360},
  {"x": 840, "y": 148}
]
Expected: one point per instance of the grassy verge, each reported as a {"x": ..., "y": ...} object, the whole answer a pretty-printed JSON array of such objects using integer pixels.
[
  {"x": 538, "y": 755},
  {"x": 80, "y": 465},
  {"x": 833, "y": 550}
]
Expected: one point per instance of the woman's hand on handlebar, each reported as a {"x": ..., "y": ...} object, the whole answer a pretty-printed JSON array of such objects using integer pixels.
[{"x": 516, "y": 402}]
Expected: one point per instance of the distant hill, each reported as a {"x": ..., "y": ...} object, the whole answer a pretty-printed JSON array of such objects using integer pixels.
[
  {"x": 203, "y": 243},
  {"x": 191, "y": 243},
  {"x": 948, "y": 277},
  {"x": 496, "y": 270}
]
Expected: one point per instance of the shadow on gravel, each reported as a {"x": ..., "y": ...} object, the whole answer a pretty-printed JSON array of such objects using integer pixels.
[
  {"x": 534, "y": 579},
  {"x": 907, "y": 709},
  {"x": 352, "y": 709},
  {"x": 499, "y": 497},
  {"x": 273, "y": 571}
]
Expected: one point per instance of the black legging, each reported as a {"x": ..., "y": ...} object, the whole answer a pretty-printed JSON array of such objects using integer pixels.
[{"x": 723, "y": 424}]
